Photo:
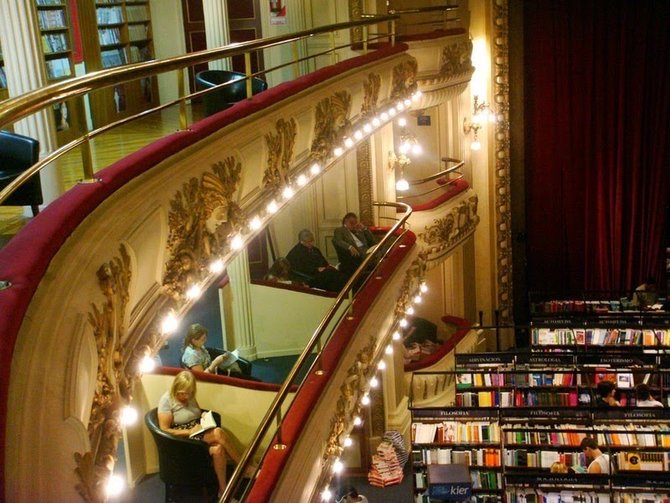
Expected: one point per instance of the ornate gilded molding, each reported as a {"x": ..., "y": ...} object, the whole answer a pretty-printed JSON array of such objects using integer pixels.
[
  {"x": 280, "y": 152},
  {"x": 202, "y": 215},
  {"x": 364, "y": 173},
  {"x": 502, "y": 159},
  {"x": 356, "y": 12},
  {"x": 371, "y": 94},
  {"x": 351, "y": 392},
  {"x": 456, "y": 59},
  {"x": 117, "y": 372},
  {"x": 447, "y": 232},
  {"x": 404, "y": 79},
  {"x": 331, "y": 124}
]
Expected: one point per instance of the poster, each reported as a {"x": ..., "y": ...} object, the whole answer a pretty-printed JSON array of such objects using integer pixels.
[{"x": 277, "y": 12}]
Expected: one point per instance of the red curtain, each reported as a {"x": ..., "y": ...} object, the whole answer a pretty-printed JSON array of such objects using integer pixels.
[{"x": 597, "y": 121}]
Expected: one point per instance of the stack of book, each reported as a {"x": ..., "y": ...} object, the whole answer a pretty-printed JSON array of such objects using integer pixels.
[{"x": 385, "y": 469}]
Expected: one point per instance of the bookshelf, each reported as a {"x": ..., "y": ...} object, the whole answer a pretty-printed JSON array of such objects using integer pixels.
[
  {"x": 55, "y": 32},
  {"x": 509, "y": 447},
  {"x": 117, "y": 33}
]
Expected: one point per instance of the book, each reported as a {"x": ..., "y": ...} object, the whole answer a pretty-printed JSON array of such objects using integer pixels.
[{"x": 207, "y": 422}]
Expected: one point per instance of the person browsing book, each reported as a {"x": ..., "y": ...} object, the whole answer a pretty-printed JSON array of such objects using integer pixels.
[
  {"x": 179, "y": 415},
  {"x": 195, "y": 356},
  {"x": 606, "y": 391},
  {"x": 644, "y": 398},
  {"x": 598, "y": 462}
]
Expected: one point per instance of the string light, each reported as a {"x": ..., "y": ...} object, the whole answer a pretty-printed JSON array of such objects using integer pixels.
[
  {"x": 358, "y": 421},
  {"x": 416, "y": 96},
  {"x": 381, "y": 365},
  {"x": 348, "y": 442},
  {"x": 384, "y": 116},
  {"x": 367, "y": 127},
  {"x": 147, "y": 364},
  {"x": 374, "y": 382},
  {"x": 358, "y": 135},
  {"x": 237, "y": 242},
  {"x": 400, "y": 106},
  {"x": 216, "y": 266},
  {"x": 392, "y": 112},
  {"x": 170, "y": 324},
  {"x": 326, "y": 495},
  {"x": 302, "y": 180},
  {"x": 255, "y": 223},
  {"x": 348, "y": 142},
  {"x": 338, "y": 151},
  {"x": 410, "y": 310},
  {"x": 403, "y": 322},
  {"x": 194, "y": 292},
  {"x": 338, "y": 466},
  {"x": 396, "y": 336},
  {"x": 402, "y": 122},
  {"x": 407, "y": 102},
  {"x": 287, "y": 193},
  {"x": 376, "y": 122},
  {"x": 423, "y": 287},
  {"x": 114, "y": 486},
  {"x": 315, "y": 169},
  {"x": 272, "y": 207},
  {"x": 389, "y": 350},
  {"x": 128, "y": 415},
  {"x": 418, "y": 299}
]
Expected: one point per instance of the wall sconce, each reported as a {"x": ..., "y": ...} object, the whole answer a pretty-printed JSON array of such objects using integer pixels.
[
  {"x": 481, "y": 113},
  {"x": 397, "y": 162}
]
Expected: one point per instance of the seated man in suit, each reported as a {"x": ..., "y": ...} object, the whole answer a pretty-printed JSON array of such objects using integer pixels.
[
  {"x": 309, "y": 264},
  {"x": 352, "y": 242}
]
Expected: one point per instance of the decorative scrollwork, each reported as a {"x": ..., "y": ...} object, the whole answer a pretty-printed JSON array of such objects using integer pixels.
[
  {"x": 371, "y": 87},
  {"x": 202, "y": 216},
  {"x": 448, "y": 231},
  {"x": 331, "y": 124},
  {"x": 404, "y": 79},
  {"x": 351, "y": 391},
  {"x": 456, "y": 59},
  {"x": 280, "y": 152},
  {"x": 116, "y": 374}
]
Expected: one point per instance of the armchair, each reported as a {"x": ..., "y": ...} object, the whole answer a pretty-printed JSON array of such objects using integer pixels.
[
  {"x": 17, "y": 154},
  {"x": 185, "y": 465},
  {"x": 228, "y": 95}
]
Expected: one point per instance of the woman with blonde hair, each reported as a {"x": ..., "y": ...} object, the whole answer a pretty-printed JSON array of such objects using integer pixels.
[{"x": 179, "y": 414}]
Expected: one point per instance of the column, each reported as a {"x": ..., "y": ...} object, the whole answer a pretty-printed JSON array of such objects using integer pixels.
[
  {"x": 243, "y": 328},
  {"x": 25, "y": 72},
  {"x": 217, "y": 33}
]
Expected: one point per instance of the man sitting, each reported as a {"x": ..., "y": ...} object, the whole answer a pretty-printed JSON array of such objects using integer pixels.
[
  {"x": 309, "y": 264},
  {"x": 352, "y": 242}
]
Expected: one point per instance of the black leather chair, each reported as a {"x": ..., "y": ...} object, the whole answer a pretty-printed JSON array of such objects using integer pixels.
[
  {"x": 185, "y": 465},
  {"x": 17, "y": 154},
  {"x": 226, "y": 96}
]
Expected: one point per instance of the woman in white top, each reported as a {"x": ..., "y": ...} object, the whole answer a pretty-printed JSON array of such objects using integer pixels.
[
  {"x": 644, "y": 398},
  {"x": 195, "y": 356},
  {"x": 179, "y": 415}
]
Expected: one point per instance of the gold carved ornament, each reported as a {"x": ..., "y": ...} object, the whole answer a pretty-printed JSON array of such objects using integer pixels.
[
  {"x": 447, "y": 231},
  {"x": 202, "y": 216},
  {"x": 370, "y": 95},
  {"x": 404, "y": 79},
  {"x": 331, "y": 124},
  {"x": 280, "y": 152},
  {"x": 117, "y": 371},
  {"x": 456, "y": 59},
  {"x": 363, "y": 155}
]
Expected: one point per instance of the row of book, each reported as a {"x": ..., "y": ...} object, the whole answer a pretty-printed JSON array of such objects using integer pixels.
[
  {"x": 109, "y": 15},
  {"x": 657, "y": 435},
  {"x": 3, "y": 77},
  {"x": 49, "y": 2},
  {"x": 58, "y": 68},
  {"x": 544, "y": 435},
  {"x": 578, "y": 306},
  {"x": 54, "y": 42},
  {"x": 446, "y": 456},
  {"x": 484, "y": 479},
  {"x": 544, "y": 459},
  {"x": 138, "y": 32},
  {"x": 449, "y": 432},
  {"x": 533, "y": 495},
  {"x": 643, "y": 461},
  {"x": 109, "y": 36},
  {"x": 136, "y": 13},
  {"x": 518, "y": 398},
  {"x": 113, "y": 57},
  {"x": 51, "y": 19},
  {"x": 483, "y": 379},
  {"x": 138, "y": 54},
  {"x": 600, "y": 336}
]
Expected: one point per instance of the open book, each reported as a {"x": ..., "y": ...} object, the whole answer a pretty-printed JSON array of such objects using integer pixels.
[
  {"x": 229, "y": 358},
  {"x": 207, "y": 422}
]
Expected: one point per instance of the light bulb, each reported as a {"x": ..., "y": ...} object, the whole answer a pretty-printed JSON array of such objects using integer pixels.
[
  {"x": 423, "y": 287},
  {"x": 376, "y": 122},
  {"x": 315, "y": 169},
  {"x": 392, "y": 112},
  {"x": 400, "y": 106},
  {"x": 287, "y": 193},
  {"x": 272, "y": 207},
  {"x": 338, "y": 466},
  {"x": 358, "y": 134},
  {"x": 147, "y": 364},
  {"x": 348, "y": 442},
  {"x": 114, "y": 486},
  {"x": 402, "y": 122},
  {"x": 418, "y": 299},
  {"x": 237, "y": 242},
  {"x": 365, "y": 400},
  {"x": 475, "y": 145},
  {"x": 403, "y": 148},
  {"x": 128, "y": 415},
  {"x": 416, "y": 96},
  {"x": 403, "y": 323},
  {"x": 396, "y": 336},
  {"x": 255, "y": 223},
  {"x": 216, "y": 266},
  {"x": 402, "y": 185},
  {"x": 348, "y": 142},
  {"x": 384, "y": 116},
  {"x": 407, "y": 102},
  {"x": 194, "y": 292},
  {"x": 338, "y": 151},
  {"x": 367, "y": 127},
  {"x": 170, "y": 324},
  {"x": 410, "y": 310},
  {"x": 389, "y": 350},
  {"x": 417, "y": 149},
  {"x": 358, "y": 421},
  {"x": 326, "y": 495},
  {"x": 374, "y": 382},
  {"x": 381, "y": 365}
]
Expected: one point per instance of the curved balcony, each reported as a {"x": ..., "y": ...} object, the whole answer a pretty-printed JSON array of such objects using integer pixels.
[{"x": 93, "y": 279}]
